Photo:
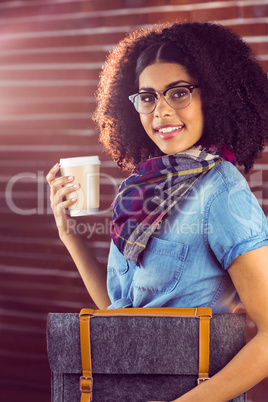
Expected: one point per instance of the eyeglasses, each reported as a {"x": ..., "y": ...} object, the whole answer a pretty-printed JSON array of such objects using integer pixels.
[{"x": 177, "y": 97}]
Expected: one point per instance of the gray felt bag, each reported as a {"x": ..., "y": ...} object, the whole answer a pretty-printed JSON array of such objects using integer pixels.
[{"x": 139, "y": 354}]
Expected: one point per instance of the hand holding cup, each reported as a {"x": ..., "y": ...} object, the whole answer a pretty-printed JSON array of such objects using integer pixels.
[
  {"x": 77, "y": 189},
  {"x": 86, "y": 172}
]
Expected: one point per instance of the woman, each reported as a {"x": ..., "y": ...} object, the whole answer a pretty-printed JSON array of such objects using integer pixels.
[{"x": 186, "y": 229}]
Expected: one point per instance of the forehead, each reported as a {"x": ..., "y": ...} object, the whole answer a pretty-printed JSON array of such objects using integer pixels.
[{"x": 160, "y": 75}]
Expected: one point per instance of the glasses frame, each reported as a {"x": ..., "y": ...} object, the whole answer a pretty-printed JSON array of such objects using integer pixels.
[{"x": 157, "y": 96}]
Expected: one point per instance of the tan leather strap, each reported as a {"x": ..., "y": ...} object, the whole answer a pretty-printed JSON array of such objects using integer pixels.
[
  {"x": 151, "y": 311},
  {"x": 86, "y": 380},
  {"x": 204, "y": 322},
  {"x": 202, "y": 313}
]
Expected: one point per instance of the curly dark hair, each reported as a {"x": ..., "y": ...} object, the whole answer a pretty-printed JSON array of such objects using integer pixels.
[{"x": 234, "y": 90}]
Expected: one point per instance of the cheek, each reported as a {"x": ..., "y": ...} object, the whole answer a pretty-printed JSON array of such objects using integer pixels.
[
  {"x": 201, "y": 119},
  {"x": 145, "y": 121},
  {"x": 200, "y": 114},
  {"x": 197, "y": 117}
]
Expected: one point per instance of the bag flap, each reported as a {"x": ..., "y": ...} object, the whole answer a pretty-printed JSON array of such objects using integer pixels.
[{"x": 144, "y": 345}]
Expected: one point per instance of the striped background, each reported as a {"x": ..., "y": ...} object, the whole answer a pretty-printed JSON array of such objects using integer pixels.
[{"x": 51, "y": 52}]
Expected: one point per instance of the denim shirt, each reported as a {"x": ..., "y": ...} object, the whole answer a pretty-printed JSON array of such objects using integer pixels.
[{"x": 185, "y": 262}]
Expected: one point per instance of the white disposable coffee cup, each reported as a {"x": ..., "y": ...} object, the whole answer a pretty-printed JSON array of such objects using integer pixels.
[{"x": 85, "y": 170}]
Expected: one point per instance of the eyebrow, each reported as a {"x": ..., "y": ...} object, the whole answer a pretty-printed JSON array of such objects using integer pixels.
[{"x": 172, "y": 84}]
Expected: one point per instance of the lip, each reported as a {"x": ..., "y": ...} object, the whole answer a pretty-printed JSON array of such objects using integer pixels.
[{"x": 172, "y": 134}]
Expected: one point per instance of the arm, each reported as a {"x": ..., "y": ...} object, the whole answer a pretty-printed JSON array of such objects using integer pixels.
[
  {"x": 92, "y": 273},
  {"x": 249, "y": 273}
]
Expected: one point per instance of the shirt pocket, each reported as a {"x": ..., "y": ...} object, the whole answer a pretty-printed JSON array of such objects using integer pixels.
[
  {"x": 117, "y": 262},
  {"x": 161, "y": 266},
  {"x": 119, "y": 275}
]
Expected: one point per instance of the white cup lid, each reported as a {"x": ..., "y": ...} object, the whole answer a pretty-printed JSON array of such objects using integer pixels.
[{"x": 80, "y": 161}]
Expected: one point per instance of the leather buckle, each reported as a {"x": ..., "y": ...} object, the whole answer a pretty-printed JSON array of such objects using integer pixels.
[
  {"x": 202, "y": 379},
  {"x": 86, "y": 384}
]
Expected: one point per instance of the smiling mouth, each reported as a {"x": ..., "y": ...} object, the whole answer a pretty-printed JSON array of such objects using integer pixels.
[{"x": 169, "y": 132}]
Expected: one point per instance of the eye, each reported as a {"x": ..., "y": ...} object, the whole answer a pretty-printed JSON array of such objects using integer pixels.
[
  {"x": 146, "y": 98},
  {"x": 178, "y": 93}
]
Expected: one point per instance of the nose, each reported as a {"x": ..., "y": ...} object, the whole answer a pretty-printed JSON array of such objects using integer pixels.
[{"x": 162, "y": 107}]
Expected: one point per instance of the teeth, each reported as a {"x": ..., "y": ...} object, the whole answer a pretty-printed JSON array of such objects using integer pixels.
[{"x": 169, "y": 129}]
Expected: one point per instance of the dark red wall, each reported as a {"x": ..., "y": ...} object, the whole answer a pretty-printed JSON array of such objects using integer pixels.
[{"x": 51, "y": 53}]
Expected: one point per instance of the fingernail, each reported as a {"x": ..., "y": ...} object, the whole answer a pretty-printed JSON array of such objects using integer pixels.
[
  {"x": 56, "y": 166},
  {"x": 70, "y": 178},
  {"x": 76, "y": 186}
]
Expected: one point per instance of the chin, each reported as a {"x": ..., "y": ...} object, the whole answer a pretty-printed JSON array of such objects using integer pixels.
[{"x": 172, "y": 150}]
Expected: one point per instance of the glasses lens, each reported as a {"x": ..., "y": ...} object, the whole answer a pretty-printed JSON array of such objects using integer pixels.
[
  {"x": 179, "y": 97},
  {"x": 145, "y": 102}
]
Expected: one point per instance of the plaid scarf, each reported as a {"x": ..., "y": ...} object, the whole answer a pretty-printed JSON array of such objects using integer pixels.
[{"x": 147, "y": 196}]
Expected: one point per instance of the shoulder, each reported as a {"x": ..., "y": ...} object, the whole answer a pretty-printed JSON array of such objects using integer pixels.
[
  {"x": 229, "y": 199},
  {"x": 231, "y": 204},
  {"x": 226, "y": 176}
]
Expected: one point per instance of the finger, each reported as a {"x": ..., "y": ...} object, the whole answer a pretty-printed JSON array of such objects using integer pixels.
[
  {"x": 60, "y": 209},
  {"x": 60, "y": 213},
  {"x": 59, "y": 183},
  {"x": 61, "y": 193},
  {"x": 52, "y": 173}
]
